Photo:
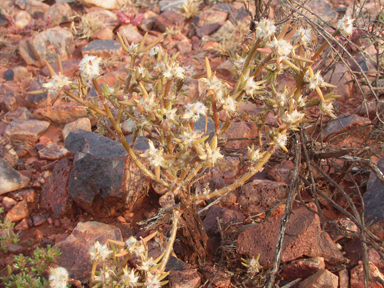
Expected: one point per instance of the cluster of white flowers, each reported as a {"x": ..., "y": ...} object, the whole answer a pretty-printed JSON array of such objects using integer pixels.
[
  {"x": 281, "y": 140},
  {"x": 128, "y": 278},
  {"x": 345, "y": 26},
  {"x": 230, "y": 105},
  {"x": 152, "y": 281},
  {"x": 90, "y": 68},
  {"x": 254, "y": 266},
  {"x": 153, "y": 155},
  {"x": 133, "y": 49},
  {"x": 211, "y": 155},
  {"x": 170, "y": 70},
  {"x": 327, "y": 108},
  {"x": 155, "y": 51},
  {"x": 104, "y": 276},
  {"x": 254, "y": 155},
  {"x": 265, "y": 28},
  {"x": 146, "y": 264},
  {"x": 56, "y": 83},
  {"x": 147, "y": 103},
  {"x": 251, "y": 87},
  {"x": 188, "y": 138},
  {"x": 315, "y": 81},
  {"x": 280, "y": 47},
  {"x": 99, "y": 252},
  {"x": 217, "y": 86},
  {"x": 193, "y": 111},
  {"x": 58, "y": 277},
  {"x": 135, "y": 246},
  {"x": 292, "y": 118},
  {"x": 302, "y": 36}
]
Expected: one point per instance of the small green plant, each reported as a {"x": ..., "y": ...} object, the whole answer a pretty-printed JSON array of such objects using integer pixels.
[
  {"x": 27, "y": 271},
  {"x": 10, "y": 237}
]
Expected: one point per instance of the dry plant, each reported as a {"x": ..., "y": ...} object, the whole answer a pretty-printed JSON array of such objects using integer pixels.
[
  {"x": 191, "y": 8},
  {"x": 172, "y": 31},
  {"x": 88, "y": 26}
]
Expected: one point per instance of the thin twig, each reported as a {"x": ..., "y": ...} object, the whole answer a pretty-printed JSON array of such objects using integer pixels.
[{"x": 285, "y": 218}]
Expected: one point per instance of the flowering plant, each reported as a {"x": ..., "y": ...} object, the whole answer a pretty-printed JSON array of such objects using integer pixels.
[{"x": 151, "y": 103}]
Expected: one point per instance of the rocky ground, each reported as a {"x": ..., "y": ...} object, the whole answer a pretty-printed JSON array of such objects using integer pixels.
[{"x": 69, "y": 189}]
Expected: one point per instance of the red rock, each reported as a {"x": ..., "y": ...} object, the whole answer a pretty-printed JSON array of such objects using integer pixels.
[
  {"x": 260, "y": 195},
  {"x": 149, "y": 19},
  {"x": 20, "y": 73},
  {"x": 7, "y": 152},
  {"x": 79, "y": 124},
  {"x": 302, "y": 268},
  {"x": 26, "y": 130},
  {"x": 222, "y": 279},
  {"x": 344, "y": 278},
  {"x": 239, "y": 130},
  {"x": 281, "y": 172},
  {"x": 169, "y": 19},
  {"x": 22, "y": 226},
  {"x": 54, "y": 195},
  {"x": 357, "y": 276},
  {"x": 61, "y": 114},
  {"x": 105, "y": 33},
  {"x": 8, "y": 100},
  {"x": 210, "y": 17},
  {"x": 226, "y": 216},
  {"x": 302, "y": 238},
  {"x": 321, "y": 279},
  {"x": 8, "y": 203},
  {"x": 130, "y": 33},
  {"x": 21, "y": 113},
  {"x": 27, "y": 195},
  {"x": 340, "y": 76},
  {"x": 188, "y": 278},
  {"x": 69, "y": 67},
  {"x": 46, "y": 45},
  {"x": 74, "y": 250},
  {"x": 53, "y": 152},
  {"x": 58, "y": 13},
  {"x": 346, "y": 128},
  {"x": 184, "y": 46},
  {"x": 18, "y": 212}
]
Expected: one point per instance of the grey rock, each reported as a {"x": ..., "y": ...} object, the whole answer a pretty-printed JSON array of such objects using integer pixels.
[
  {"x": 171, "y": 5},
  {"x": 102, "y": 48},
  {"x": 46, "y": 45},
  {"x": 26, "y": 130},
  {"x": 374, "y": 197},
  {"x": 9, "y": 74},
  {"x": 103, "y": 179},
  {"x": 106, "y": 4},
  {"x": 10, "y": 179}
]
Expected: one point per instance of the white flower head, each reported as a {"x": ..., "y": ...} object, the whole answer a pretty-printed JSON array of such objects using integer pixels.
[
  {"x": 104, "y": 276},
  {"x": 230, "y": 105},
  {"x": 254, "y": 266},
  {"x": 327, "y": 108},
  {"x": 129, "y": 278},
  {"x": 178, "y": 72},
  {"x": 265, "y": 28},
  {"x": 189, "y": 137},
  {"x": 194, "y": 111},
  {"x": 315, "y": 81},
  {"x": 292, "y": 118},
  {"x": 345, "y": 26},
  {"x": 168, "y": 72},
  {"x": 141, "y": 71},
  {"x": 56, "y": 83},
  {"x": 152, "y": 281},
  {"x": 211, "y": 155},
  {"x": 99, "y": 252},
  {"x": 302, "y": 36},
  {"x": 148, "y": 103},
  {"x": 58, "y": 277},
  {"x": 90, "y": 68},
  {"x": 134, "y": 246},
  {"x": 128, "y": 125},
  {"x": 252, "y": 86},
  {"x": 280, "y": 47},
  {"x": 155, "y": 50},
  {"x": 281, "y": 139},
  {"x": 254, "y": 155},
  {"x": 146, "y": 265},
  {"x": 153, "y": 155}
]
